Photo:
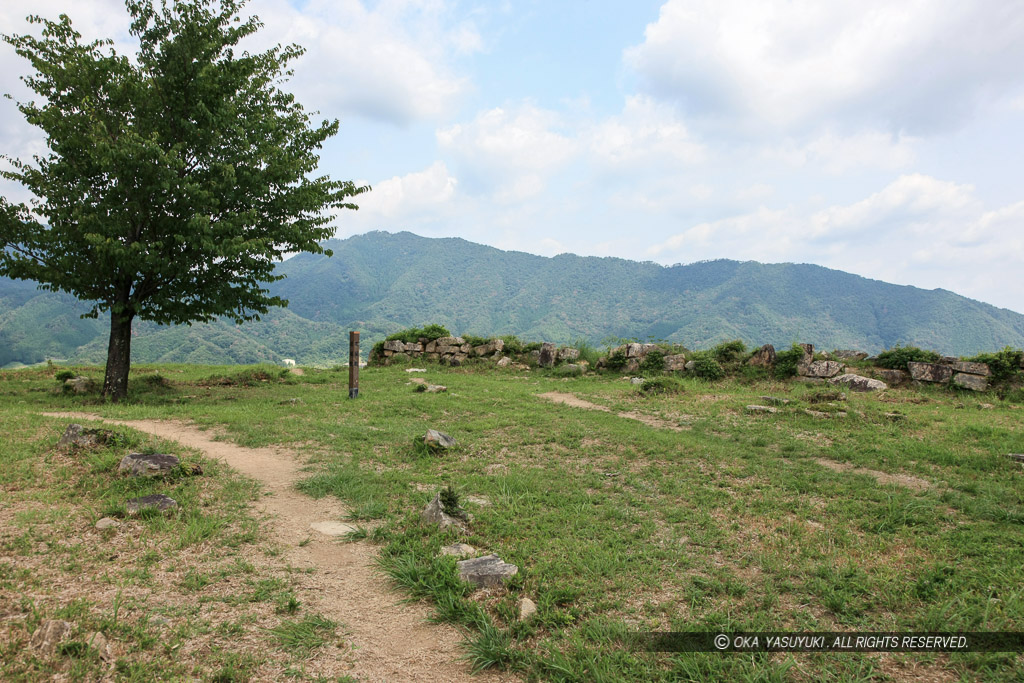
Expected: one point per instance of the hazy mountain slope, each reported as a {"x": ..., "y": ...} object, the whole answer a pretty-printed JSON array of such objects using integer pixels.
[{"x": 381, "y": 282}]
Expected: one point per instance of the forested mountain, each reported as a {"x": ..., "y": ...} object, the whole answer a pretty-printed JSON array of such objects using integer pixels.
[{"x": 381, "y": 282}]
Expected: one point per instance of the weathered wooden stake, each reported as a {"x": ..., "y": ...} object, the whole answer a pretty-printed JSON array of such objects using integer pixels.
[{"x": 353, "y": 365}]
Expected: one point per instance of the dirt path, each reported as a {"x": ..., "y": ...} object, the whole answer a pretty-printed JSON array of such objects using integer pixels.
[
  {"x": 649, "y": 420},
  {"x": 392, "y": 641}
]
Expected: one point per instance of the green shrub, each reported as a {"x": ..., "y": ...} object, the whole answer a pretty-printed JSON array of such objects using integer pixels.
[
  {"x": 654, "y": 361},
  {"x": 661, "y": 386},
  {"x": 513, "y": 344},
  {"x": 567, "y": 370},
  {"x": 786, "y": 361},
  {"x": 587, "y": 352},
  {"x": 729, "y": 352},
  {"x": 706, "y": 367},
  {"x": 64, "y": 375},
  {"x": 473, "y": 340},
  {"x": 414, "y": 334},
  {"x": 898, "y": 356},
  {"x": 1004, "y": 364},
  {"x": 616, "y": 361}
]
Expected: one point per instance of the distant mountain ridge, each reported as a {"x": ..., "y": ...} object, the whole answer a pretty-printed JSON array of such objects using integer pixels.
[{"x": 383, "y": 282}]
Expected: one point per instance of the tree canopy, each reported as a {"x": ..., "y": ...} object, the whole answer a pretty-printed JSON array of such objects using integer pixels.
[{"x": 173, "y": 182}]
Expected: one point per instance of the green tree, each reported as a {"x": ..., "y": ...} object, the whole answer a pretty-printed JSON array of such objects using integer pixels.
[{"x": 174, "y": 181}]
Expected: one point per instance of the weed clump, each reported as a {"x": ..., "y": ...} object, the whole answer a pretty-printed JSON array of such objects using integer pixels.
[
  {"x": 661, "y": 386},
  {"x": 898, "y": 356},
  {"x": 786, "y": 361},
  {"x": 1004, "y": 364},
  {"x": 706, "y": 367},
  {"x": 653, "y": 362}
]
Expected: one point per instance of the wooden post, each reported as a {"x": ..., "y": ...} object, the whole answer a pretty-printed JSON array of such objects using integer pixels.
[{"x": 353, "y": 365}]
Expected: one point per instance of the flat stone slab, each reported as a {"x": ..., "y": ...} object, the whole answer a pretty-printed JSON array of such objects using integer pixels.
[
  {"x": 415, "y": 369},
  {"x": 332, "y": 528},
  {"x": 489, "y": 571},
  {"x": 972, "y": 368},
  {"x": 148, "y": 464},
  {"x": 436, "y": 389},
  {"x": 774, "y": 400},
  {"x": 930, "y": 372},
  {"x": 157, "y": 501},
  {"x": 858, "y": 383},
  {"x": 458, "y": 550},
  {"x": 761, "y": 409}
]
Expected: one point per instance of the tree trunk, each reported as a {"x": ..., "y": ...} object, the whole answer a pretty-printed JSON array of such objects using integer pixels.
[{"x": 119, "y": 356}]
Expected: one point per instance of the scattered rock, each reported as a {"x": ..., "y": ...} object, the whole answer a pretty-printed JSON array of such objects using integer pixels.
[
  {"x": 99, "y": 642},
  {"x": 930, "y": 372},
  {"x": 157, "y": 501},
  {"x": 504, "y": 362},
  {"x": 985, "y": 406},
  {"x": 805, "y": 361},
  {"x": 50, "y": 634},
  {"x": 458, "y": 550},
  {"x": 858, "y": 383},
  {"x": 895, "y": 417},
  {"x": 434, "y": 514},
  {"x": 636, "y": 380},
  {"x": 972, "y": 382},
  {"x": 107, "y": 523},
  {"x": 77, "y": 435},
  {"x": 764, "y": 357},
  {"x": 1018, "y": 457},
  {"x": 415, "y": 369},
  {"x": 690, "y": 365},
  {"x": 435, "y": 388},
  {"x": 436, "y": 440},
  {"x": 290, "y": 402},
  {"x": 477, "y": 500},
  {"x": 527, "y": 608},
  {"x": 761, "y": 409},
  {"x": 147, "y": 464},
  {"x": 332, "y": 528},
  {"x": 489, "y": 571},
  {"x": 822, "y": 415},
  {"x": 774, "y": 400}
]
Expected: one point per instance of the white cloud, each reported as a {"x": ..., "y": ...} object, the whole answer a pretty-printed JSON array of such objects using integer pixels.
[
  {"x": 836, "y": 154},
  {"x": 645, "y": 132},
  {"x": 903, "y": 65},
  {"x": 408, "y": 195},
  {"x": 917, "y": 230},
  {"x": 509, "y": 153}
]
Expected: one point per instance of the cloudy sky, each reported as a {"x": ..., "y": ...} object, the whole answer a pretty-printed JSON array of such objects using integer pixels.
[{"x": 881, "y": 138}]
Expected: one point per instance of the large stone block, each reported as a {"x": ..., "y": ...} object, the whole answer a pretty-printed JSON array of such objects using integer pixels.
[
  {"x": 822, "y": 368},
  {"x": 548, "y": 355},
  {"x": 396, "y": 345},
  {"x": 764, "y": 357},
  {"x": 675, "y": 363},
  {"x": 972, "y": 382},
  {"x": 930, "y": 372},
  {"x": 489, "y": 571},
  {"x": 858, "y": 383},
  {"x": 972, "y": 368}
]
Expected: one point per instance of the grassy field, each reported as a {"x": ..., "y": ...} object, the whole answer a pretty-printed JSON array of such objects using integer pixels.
[{"x": 889, "y": 512}]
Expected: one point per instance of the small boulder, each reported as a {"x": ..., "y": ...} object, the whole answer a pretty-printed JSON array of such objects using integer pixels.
[
  {"x": 415, "y": 369},
  {"x": 568, "y": 353},
  {"x": 436, "y": 440},
  {"x": 527, "y": 608},
  {"x": 80, "y": 385},
  {"x": 858, "y": 383},
  {"x": 435, "y": 388},
  {"x": 504, "y": 362},
  {"x": 489, "y": 571},
  {"x": 99, "y": 642},
  {"x": 458, "y": 550},
  {"x": 764, "y": 357},
  {"x": 50, "y": 634},
  {"x": 761, "y": 409},
  {"x": 892, "y": 377},
  {"x": 434, "y": 514},
  {"x": 637, "y": 380},
  {"x": 675, "y": 362},
  {"x": 107, "y": 523},
  {"x": 77, "y": 435},
  {"x": 157, "y": 501},
  {"x": 147, "y": 464}
]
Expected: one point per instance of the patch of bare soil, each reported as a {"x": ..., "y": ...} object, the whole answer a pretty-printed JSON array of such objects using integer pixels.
[
  {"x": 650, "y": 420},
  {"x": 392, "y": 641},
  {"x": 907, "y": 480}
]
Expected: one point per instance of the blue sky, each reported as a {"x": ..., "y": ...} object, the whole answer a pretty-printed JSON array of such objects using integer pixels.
[{"x": 880, "y": 138}]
